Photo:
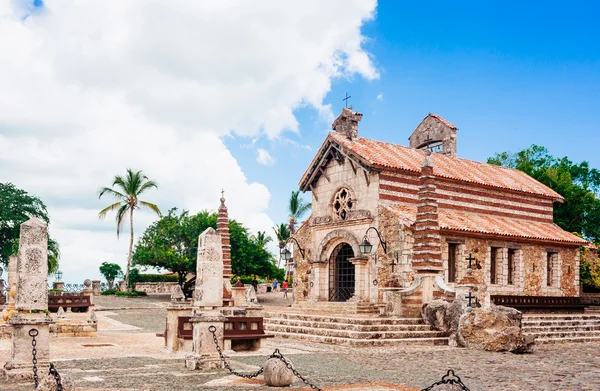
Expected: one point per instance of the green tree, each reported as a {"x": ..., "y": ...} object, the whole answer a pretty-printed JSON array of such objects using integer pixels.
[
  {"x": 576, "y": 182},
  {"x": 110, "y": 271},
  {"x": 297, "y": 207},
  {"x": 127, "y": 193},
  {"x": 16, "y": 207},
  {"x": 171, "y": 243}
]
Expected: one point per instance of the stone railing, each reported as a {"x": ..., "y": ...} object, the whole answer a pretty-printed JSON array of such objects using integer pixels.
[{"x": 155, "y": 288}]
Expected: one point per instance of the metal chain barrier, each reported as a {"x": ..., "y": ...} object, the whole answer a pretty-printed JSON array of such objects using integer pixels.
[
  {"x": 213, "y": 330},
  {"x": 56, "y": 375},
  {"x": 449, "y": 378},
  {"x": 34, "y": 333},
  {"x": 276, "y": 354}
]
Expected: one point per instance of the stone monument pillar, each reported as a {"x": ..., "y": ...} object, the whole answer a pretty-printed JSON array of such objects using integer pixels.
[
  {"x": 208, "y": 297},
  {"x": 31, "y": 303},
  {"x": 88, "y": 291},
  {"x": 96, "y": 287},
  {"x": 223, "y": 230}
]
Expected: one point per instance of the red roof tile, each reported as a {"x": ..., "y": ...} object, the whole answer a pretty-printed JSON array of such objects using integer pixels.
[
  {"x": 397, "y": 157},
  {"x": 491, "y": 225}
]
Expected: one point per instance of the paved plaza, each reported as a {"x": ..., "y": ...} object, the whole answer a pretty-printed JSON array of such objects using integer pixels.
[{"x": 127, "y": 356}]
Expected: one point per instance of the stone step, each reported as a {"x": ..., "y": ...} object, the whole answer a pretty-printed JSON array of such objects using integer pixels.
[
  {"x": 560, "y": 323},
  {"x": 594, "y": 309},
  {"x": 359, "y": 335},
  {"x": 566, "y": 340},
  {"x": 348, "y": 326},
  {"x": 341, "y": 319},
  {"x": 561, "y": 317},
  {"x": 545, "y": 329},
  {"x": 363, "y": 342},
  {"x": 565, "y": 334}
]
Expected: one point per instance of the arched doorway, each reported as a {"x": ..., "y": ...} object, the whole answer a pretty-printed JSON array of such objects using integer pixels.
[{"x": 341, "y": 273}]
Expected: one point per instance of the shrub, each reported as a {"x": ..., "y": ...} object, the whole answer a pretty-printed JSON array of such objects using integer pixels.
[
  {"x": 131, "y": 294},
  {"x": 153, "y": 278},
  {"x": 109, "y": 292}
]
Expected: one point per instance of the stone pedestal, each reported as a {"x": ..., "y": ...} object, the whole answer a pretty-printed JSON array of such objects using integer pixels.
[
  {"x": 361, "y": 283},
  {"x": 238, "y": 294},
  {"x": 19, "y": 366},
  {"x": 172, "y": 342},
  {"x": 58, "y": 285},
  {"x": 96, "y": 287},
  {"x": 121, "y": 286},
  {"x": 205, "y": 355},
  {"x": 89, "y": 292}
]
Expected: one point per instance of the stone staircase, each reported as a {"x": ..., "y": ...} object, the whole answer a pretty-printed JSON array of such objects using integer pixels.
[
  {"x": 348, "y": 330},
  {"x": 562, "y": 328},
  {"x": 333, "y": 307},
  {"x": 593, "y": 309}
]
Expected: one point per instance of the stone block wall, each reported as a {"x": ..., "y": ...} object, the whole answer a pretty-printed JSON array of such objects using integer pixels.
[
  {"x": 155, "y": 288},
  {"x": 529, "y": 272}
]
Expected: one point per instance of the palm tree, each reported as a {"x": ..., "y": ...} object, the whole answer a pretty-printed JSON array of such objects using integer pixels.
[
  {"x": 127, "y": 193},
  {"x": 283, "y": 235},
  {"x": 262, "y": 239},
  {"x": 297, "y": 207}
]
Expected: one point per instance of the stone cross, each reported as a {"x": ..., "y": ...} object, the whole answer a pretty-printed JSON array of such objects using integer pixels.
[
  {"x": 32, "y": 266},
  {"x": 470, "y": 258},
  {"x": 470, "y": 297},
  {"x": 209, "y": 270}
]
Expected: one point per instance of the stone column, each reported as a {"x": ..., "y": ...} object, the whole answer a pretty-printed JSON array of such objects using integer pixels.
[
  {"x": 88, "y": 291},
  {"x": 238, "y": 293},
  {"x": 208, "y": 292},
  {"x": 361, "y": 284},
  {"x": 205, "y": 354},
  {"x": 223, "y": 230},
  {"x": 31, "y": 303},
  {"x": 319, "y": 290},
  {"x": 96, "y": 287}
]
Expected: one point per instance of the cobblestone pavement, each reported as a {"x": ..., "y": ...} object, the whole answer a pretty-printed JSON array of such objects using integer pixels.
[
  {"x": 127, "y": 356},
  {"x": 564, "y": 367}
]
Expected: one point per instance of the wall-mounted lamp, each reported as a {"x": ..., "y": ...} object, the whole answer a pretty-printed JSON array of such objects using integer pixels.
[
  {"x": 286, "y": 254},
  {"x": 366, "y": 247}
]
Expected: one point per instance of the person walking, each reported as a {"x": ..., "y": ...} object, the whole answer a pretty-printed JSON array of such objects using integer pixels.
[
  {"x": 275, "y": 283},
  {"x": 285, "y": 289},
  {"x": 255, "y": 284}
]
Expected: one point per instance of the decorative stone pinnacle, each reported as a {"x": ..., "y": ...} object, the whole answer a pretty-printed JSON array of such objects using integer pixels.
[
  {"x": 222, "y": 197},
  {"x": 427, "y": 161}
]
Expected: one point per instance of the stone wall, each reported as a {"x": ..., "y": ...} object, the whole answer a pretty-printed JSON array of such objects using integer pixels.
[
  {"x": 155, "y": 288},
  {"x": 530, "y": 268},
  {"x": 303, "y": 273}
]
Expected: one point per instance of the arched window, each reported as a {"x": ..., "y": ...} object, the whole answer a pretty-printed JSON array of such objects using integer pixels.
[{"x": 342, "y": 203}]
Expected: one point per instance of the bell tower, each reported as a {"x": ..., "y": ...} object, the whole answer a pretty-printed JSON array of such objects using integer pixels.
[{"x": 435, "y": 134}]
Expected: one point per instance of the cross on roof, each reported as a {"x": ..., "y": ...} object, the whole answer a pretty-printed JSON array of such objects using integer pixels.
[
  {"x": 428, "y": 142},
  {"x": 222, "y": 193},
  {"x": 346, "y": 99}
]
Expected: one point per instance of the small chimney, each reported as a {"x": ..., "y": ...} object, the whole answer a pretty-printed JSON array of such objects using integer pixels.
[{"x": 347, "y": 123}]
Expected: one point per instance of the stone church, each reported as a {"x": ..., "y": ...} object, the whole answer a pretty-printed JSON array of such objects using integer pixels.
[{"x": 437, "y": 224}]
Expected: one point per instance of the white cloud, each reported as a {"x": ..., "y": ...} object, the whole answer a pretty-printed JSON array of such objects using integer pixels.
[
  {"x": 90, "y": 88},
  {"x": 264, "y": 157},
  {"x": 380, "y": 96}
]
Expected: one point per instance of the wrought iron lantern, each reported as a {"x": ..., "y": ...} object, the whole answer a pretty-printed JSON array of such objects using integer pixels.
[
  {"x": 285, "y": 254},
  {"x": 366, "y": 247},
  {"x": 58, "y": 275}
]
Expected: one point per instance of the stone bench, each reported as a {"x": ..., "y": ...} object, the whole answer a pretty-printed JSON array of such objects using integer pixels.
[
  {"x": 240, "y": 332},
  {"x": 77, "y": 303}
]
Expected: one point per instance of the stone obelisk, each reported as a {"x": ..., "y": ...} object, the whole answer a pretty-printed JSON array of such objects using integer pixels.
[
  {"x": 31, "y": 302},
  {"x": 223, "y": 230}
]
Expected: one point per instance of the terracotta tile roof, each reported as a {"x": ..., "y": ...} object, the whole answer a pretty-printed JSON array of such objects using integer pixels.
[
  {"x": 397, "y": 157},
  {"x": 491, "y": 225}
]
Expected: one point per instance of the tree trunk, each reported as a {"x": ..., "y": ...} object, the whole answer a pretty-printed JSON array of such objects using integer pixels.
[{"x": 130, "y": 250}]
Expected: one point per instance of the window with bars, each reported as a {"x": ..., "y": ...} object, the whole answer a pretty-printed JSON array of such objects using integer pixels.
[
  {"x": 452, "y": 248},
  {"x": 511, "y": 269},
  {"x": 495, "y": 258}
]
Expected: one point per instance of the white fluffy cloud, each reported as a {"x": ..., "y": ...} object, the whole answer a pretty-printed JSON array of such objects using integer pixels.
[
  {"x": 92, "y": 87},
  {"x": 264, "y": 157}
]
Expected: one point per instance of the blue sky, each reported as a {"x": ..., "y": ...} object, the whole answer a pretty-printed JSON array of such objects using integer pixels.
[
  {"x": 508, "y": 74},
  {"x": 192, "y": 91}
]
